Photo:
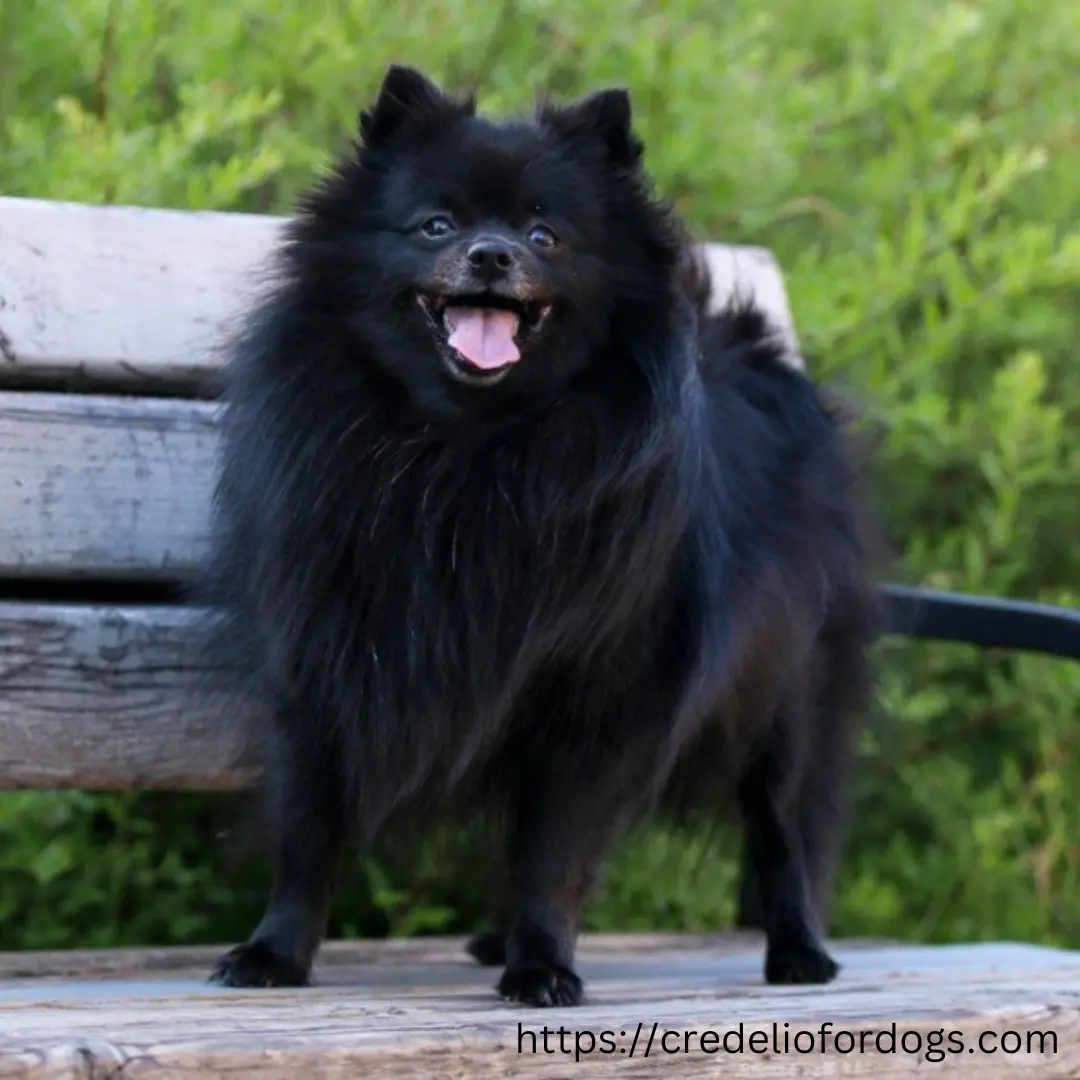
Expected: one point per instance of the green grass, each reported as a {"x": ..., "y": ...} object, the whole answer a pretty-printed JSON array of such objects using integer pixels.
[{"x": 913, "y": 166}]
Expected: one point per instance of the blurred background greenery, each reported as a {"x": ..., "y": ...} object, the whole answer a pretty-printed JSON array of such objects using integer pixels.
[{"x": 913, "y": 165}]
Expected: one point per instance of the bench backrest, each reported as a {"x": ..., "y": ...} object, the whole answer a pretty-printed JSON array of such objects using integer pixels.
[{"x": 111, "y": 320}]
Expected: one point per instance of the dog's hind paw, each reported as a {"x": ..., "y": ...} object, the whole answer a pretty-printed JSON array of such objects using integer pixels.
[
  {"x": 256, "y": 964},
  {"x": 488, "y": 949},
  {"x": 542, "y": 986},
  {"x": 799, "y": 965}
]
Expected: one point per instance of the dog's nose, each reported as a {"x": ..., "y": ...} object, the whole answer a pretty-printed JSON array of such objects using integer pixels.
[{"x": 491, "y": 258}]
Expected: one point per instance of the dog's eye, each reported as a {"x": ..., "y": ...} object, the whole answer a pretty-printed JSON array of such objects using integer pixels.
[
  {"x": 437, "y": 227},
  {"x": 542, "y": 236}
]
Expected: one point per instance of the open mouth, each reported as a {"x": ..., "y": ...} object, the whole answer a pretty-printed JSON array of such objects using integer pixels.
[{"x": 482, "y": 334}]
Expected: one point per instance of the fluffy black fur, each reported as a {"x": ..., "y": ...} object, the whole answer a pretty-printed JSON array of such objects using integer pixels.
[{"x": 631, "y": 567}]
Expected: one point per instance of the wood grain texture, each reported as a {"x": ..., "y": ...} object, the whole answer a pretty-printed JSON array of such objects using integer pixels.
[
  {"x": 105, "y": 698},
  {"x": 400, "y": 1016},
  {"x": 100, "y": 486},
  {"x": 125, "y": 296}
]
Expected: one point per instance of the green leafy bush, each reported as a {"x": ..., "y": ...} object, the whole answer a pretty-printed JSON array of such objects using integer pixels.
[{"x": 913, "y": 166}]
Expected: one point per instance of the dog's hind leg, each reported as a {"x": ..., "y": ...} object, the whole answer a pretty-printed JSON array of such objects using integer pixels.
[
  {"x": 748, "y": 912},
  {"x": 820, "y": 826},
  {"x": 820, "y": 829},
  {"x": 769, "y": 800},
  {"x": 488, "y": 948},
  {"x": 839, "y": 692}
]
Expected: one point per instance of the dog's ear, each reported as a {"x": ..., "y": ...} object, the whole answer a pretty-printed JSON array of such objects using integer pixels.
[
  {"x": 602, "y": 119},
  {"x": 406, "y": 97}
]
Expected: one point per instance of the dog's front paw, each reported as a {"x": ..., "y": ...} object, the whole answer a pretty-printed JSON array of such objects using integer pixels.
[
  {"x": 256, "y": 964},
  {"x": 794, "y": 965},
  {"x": 542, "y": 986}
]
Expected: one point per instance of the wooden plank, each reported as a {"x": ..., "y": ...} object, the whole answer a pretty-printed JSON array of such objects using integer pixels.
[
  {"x": 402, "y": 1018},
  {"x": 103, "y": 698},
  {"x": 135, "y": 297},
  {"x": 100, "y": 486},
  {"x": 122, "y": 295}
]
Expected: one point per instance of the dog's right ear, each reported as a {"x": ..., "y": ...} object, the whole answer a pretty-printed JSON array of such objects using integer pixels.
[{"x": 406, "y": 96}]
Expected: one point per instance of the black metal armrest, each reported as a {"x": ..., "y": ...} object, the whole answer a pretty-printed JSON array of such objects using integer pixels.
[{"x": 981, "y": 620}]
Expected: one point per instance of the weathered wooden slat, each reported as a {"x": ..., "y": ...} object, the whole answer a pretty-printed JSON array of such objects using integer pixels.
[
  {"x": 104, "y": 698},
  {"x": 401, "y": 1010},
  {"x": 133, "y": 297},
  {"x": 98, "y": 486},
  {"x": 122, "y": 295}
]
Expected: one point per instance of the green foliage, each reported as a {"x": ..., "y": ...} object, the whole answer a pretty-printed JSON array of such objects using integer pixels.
[
  {"x": 92, "y": 870},
  {"x": 914, "y": 168}
]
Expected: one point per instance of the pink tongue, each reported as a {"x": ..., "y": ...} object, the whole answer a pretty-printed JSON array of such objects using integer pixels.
[{"x": 484, "y": 336}]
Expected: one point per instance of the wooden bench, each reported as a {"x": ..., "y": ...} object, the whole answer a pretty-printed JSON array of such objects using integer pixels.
[{"x": 109, "y": 324}]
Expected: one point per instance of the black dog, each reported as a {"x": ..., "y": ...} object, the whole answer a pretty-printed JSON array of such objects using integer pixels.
[{"x": 506, "y": 523}]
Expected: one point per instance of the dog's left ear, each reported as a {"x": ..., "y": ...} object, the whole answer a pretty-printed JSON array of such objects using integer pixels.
[{"x": 604, "y": 118}]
